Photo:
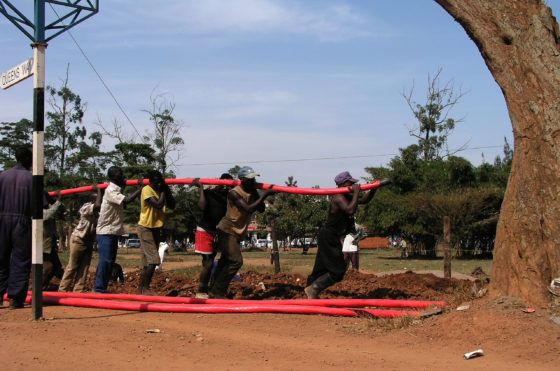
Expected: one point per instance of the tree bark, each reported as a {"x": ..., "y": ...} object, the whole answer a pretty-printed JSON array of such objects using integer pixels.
[{"x": 519, "y": 41}]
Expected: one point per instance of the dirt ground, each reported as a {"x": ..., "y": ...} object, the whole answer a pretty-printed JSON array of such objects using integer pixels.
[{"x": 81, "y": 338}]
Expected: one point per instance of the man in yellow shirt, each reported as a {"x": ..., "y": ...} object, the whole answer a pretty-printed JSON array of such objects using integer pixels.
[{"x": 153, "y": 200}]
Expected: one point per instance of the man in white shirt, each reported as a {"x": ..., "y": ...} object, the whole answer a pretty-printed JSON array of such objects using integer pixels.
[
  {"x": 350, "y": 247},
  {"x": 110, "y": 225}
]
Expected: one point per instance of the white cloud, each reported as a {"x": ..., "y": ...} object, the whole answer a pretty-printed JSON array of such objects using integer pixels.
[{"x": 220, "y": 20}]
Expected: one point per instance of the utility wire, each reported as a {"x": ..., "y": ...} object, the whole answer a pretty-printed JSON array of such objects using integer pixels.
[
  {"x": 309, "y": 159},
  {"x": 98, "y": 75}
]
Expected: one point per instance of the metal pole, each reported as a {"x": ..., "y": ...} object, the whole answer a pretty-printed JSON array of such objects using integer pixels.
[
  {"x": 275, "y": 254},
  {"x": 39, "y": 47},
  {"x": 446, "y": 247}
]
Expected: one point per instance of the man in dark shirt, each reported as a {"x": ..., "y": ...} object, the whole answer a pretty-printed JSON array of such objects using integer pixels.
[
  {"x": 15, "y": 229},
  {"x": 213, "y": 204}
]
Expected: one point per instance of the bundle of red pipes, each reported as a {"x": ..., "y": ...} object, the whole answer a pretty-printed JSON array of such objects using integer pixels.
[
  {"x": 233, "y": 183},
  {"x": 333, "y": 307}
]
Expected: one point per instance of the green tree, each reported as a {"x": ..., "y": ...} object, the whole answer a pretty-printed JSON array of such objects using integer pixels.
[
  {"x": 181, "y": 221},
  {"x": 166, "y": 138},
  {"x": 423, "y": 192},
  {"x": 295, "y": 216},
  {"x": 13, "y": 135},
  {"x": 135, "y": 159},
  {"x": 234, "y": 170},
  {"x": 433, "y": 121},
  {"x": 64, "y": 131},
  {"x": 72, "y": 157}
]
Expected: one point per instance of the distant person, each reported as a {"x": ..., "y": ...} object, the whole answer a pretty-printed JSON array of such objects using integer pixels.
[
  {"x": 52, "y": 267},
  {"x": 154, "y": 199},
  {"x": 81, "y": 245},
  {"x": 110, "y": 225},
  {"x": 351, "y": 249},
  {"x": 404, "y": 248},
  {"x": 213, "y": 205},
  {"x": 242, "y": 202},
  {"x": 16, "y": 192},
  {"x": 329, "y": 266}
]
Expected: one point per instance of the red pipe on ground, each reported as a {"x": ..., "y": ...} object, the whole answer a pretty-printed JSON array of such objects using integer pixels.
[
  {"x": 223, "y": 308},
  {"x": 228, "y": 182},
  {"x": 385, "y": 303}
]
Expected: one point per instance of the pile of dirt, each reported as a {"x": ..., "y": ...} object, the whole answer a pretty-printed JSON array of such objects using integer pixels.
[
  {"x": 510, "y": 304},
  {"x": 257, "y": 286}
]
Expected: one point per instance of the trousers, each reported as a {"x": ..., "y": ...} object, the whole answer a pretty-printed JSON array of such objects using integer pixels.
[
  {"x": 76, "y": 271},
  {"x": 107, "y": 245},
  {"x": 230, "y": 262},
  {"x": 15, "y": 255},
  {"x": 330, "y": 258}
]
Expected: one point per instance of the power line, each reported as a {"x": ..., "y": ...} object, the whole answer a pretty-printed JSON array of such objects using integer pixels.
[
  {"x": 311, "y": 159},
  {"x": 99, "y": 76}
]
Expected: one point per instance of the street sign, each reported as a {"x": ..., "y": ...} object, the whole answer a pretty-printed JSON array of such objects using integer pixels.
[{"x": 16, "y": 74}]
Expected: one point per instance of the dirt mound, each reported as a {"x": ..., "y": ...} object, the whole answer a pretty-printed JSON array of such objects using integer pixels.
[{"x": 257, "y": 286}]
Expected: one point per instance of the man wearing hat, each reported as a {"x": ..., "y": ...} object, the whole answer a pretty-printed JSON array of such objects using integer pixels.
[
  {"x": 212, "y": 204},
  {"x": 330, "y": 266},
  {"x": 242, "y": 202}
]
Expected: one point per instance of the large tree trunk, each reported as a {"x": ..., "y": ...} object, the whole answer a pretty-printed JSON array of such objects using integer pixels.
[{"x": 519, "y": 41}]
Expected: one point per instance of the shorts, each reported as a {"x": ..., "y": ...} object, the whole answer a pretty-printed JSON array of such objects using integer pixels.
[
  {"x": 149, "y": 243},
  {"x": 203, "y": 242}
]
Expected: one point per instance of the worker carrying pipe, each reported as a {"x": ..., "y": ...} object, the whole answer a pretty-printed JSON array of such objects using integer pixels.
[{"x": 330, "y": 266}]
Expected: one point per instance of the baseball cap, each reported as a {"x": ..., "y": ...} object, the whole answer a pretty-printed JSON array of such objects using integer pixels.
[
  {"x": 344, "y": 177},
  {"x": 247, "y": 172}
]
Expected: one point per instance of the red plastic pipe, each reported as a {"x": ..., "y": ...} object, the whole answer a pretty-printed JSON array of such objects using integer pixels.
[
  {"x": 223, "y": 308},
  {"x": 228, "y": 182},
  {"x": 384, "y": 303}
]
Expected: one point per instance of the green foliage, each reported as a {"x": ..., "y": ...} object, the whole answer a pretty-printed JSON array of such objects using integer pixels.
[
  {"x": 63, "y": 133},
  {"x": 181, "y": 221},
  {"x": 166, "y": 138},
  {"x": 13, "y": 135},
  {"x": 234, "y": 170},
  {"x": 422, "y": 193},
  {"x": 433, "y": 122},
  {"x": 136, "y": 159},
  {"x": 295, "y": 216}
]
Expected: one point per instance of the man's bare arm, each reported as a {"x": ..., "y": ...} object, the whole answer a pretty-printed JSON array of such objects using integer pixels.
[{"x": 238, "y": 201}]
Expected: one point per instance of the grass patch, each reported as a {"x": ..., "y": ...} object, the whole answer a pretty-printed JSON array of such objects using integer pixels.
[{"x": 374, "y": 260}]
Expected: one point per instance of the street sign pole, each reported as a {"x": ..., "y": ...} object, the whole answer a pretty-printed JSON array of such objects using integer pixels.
[
  {"x": 78, "y": 13},
  {"x": 39, "y": 47}
]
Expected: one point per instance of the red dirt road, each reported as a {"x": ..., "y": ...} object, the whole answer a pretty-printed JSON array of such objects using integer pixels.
[{"x": 81, "y": 338}]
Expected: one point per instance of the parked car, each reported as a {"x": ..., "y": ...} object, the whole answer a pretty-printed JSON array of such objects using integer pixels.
[
  {"x": 310, "y": 242},
  {"x": 133, "y": 243},
  {"x": 263, "y": 243}
]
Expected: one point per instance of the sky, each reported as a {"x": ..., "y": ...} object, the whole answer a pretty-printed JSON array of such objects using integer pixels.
[{"x": 291, "y": 88}]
